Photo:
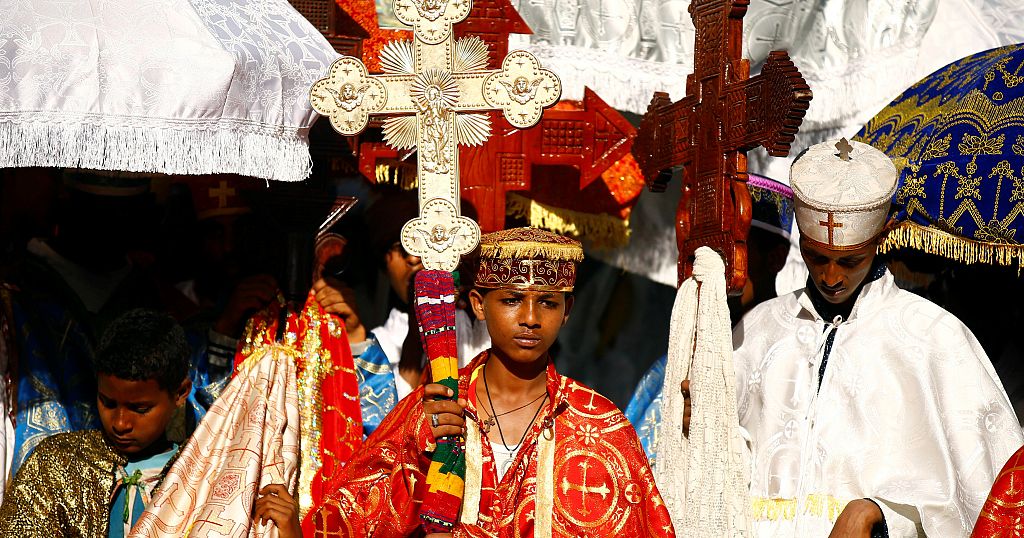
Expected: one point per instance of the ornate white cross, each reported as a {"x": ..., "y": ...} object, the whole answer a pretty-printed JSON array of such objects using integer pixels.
[{"x": 434, "y": 89}]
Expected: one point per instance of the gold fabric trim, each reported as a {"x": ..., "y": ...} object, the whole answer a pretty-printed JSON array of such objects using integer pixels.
[
  {"x": 528, "y": 244},
  {"x": 600, "y": 229},
  {"x": 827, "y": 246},
  {"x": 378, "y": 369},
  {"x": 474, "y": 469},
  {"x": 544, "y": 504},
  {"x": 474, "y": 476},
  {"x": 817, "y": 505},
  {"x": 961, "y": 249},
  {"x": 524, "y": 287}
]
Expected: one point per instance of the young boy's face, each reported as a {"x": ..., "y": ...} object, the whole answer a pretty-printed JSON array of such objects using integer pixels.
[
  {"x": 522, "y": 324},
  {"x": 135, "y": 414}
]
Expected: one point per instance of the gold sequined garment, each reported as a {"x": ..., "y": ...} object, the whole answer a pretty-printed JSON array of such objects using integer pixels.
[{"x": 63, "y": 489}]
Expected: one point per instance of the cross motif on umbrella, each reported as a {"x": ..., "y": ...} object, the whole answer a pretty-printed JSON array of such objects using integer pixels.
[{"x": 433, "y": 91}]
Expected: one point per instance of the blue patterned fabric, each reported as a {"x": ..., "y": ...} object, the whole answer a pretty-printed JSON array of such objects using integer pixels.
[
  {"x": 377, "y": 391},
  {"x": 56, "y": 384},
  {"x": 957, "y": 139},
  {"x": 771, "y": 205},
  {"x": 644, "y": 409},
  {"x": 208, "y": 380}
]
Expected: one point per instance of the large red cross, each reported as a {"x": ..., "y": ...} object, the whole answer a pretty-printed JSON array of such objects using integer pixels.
[{"x": 708, "y": 133}]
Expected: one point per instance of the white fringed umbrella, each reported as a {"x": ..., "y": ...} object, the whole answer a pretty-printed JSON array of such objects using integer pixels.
[{"x": 168, "y": 86}]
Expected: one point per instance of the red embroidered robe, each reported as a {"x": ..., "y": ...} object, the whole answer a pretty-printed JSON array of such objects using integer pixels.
[
  {"x": 1003, "y": 513},
  {"x": 598, "y": 482}
]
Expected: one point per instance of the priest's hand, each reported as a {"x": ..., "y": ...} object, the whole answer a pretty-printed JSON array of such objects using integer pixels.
[
  {"x": 277, "y": 505},
  {"x": 450, "y": 414},
  {"x": 338, "y": 299},
  {"x": 857, "y": 520},
  {"x": 685, "y": 388}
]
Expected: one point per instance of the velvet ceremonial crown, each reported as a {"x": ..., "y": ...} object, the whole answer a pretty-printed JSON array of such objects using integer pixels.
[
  {"x": 842, "y": 193},
  {"x": 528, "y": 259}
]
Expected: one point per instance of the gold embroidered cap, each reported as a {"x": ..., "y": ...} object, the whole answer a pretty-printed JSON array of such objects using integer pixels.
[
  {"x": 841, "y": 193},
  {"x": 528, "y": 259}
]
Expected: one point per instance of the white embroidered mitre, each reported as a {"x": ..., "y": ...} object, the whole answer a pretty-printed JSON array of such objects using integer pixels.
[{"x": 842, "y": 192}]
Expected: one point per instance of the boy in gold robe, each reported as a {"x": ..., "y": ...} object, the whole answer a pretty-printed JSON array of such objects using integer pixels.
[{"x": 96, "y": 483}]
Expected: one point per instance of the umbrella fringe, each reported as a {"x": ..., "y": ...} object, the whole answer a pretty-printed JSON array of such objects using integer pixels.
[
  {"x": 940, "y": 243},
  {"x": 188, "y": 149},
  {"x": 601, "y": 230}
]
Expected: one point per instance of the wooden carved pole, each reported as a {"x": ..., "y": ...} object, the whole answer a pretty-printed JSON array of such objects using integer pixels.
[{"x": 708, "y": 133}]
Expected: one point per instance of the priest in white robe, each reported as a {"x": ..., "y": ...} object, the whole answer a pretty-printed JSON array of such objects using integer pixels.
[{"x": 870, "y": 411}]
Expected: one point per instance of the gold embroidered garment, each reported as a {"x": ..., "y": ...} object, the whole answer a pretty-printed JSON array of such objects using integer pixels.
[
  {"x": 579, "y": 472},
  {"x": 63, "y": 489},
  {"x": 1001, "y": 515}
]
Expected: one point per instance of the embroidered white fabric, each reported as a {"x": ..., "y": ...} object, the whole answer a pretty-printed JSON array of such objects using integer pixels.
[
  {"x": 169, "y": 86},
  {"x": 857, "y": 55},
  {"x": 909, "y": 413},
  {"x": 842, "y": 203},
  {"x": 703, "y": 479}
]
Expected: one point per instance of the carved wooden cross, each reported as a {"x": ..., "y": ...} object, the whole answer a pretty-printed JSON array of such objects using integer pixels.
[
  {"x": 590, "y": 140},
  {"x": 708, "y": 133},
  {"x": 434, "y": 89}
]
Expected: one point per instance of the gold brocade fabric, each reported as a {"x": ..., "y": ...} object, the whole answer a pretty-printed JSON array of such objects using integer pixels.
[
  {"x": 957, "y": 140},
  {"x": 63, "y": 489},
  {"x": 528, "y": 259},
  {"x": 1002, "y": 515}
]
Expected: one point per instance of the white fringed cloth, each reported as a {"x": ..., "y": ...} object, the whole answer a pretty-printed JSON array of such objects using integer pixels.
[
  {"x": 248, "y": 439},
  {"x": 704, "y": 479},
  {"x": 168, "y": 86}
]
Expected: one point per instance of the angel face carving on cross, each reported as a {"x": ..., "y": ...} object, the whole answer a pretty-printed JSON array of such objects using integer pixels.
[
  {"x": 430, "y": 9},
  {"x": 522, "y": 90},
  {"x": 349, "y": 97}
]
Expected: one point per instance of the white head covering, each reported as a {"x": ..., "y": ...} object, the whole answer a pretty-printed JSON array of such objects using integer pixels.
[{"x": 842, "y": 191}]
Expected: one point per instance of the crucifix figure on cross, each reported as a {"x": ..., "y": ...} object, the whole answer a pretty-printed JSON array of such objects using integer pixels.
[{"x": 434, "y": 91}]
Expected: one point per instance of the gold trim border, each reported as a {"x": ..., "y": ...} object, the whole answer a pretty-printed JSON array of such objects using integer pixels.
[{"x": 947, "y": 245}]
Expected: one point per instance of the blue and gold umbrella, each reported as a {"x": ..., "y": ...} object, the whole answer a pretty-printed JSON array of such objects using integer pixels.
[{"x": 957, "y": 138}]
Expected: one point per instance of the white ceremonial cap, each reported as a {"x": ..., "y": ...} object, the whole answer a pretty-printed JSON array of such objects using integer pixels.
[{"x": 841, "y": 193}]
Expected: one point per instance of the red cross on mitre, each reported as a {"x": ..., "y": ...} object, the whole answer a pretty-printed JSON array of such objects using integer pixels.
[{"x": 831, "y": 224}]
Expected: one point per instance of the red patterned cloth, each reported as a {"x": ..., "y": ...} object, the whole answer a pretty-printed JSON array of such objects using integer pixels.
[
  {"x": 600, "y": 479},
  {"x": 328, "y": 391},
  {"x": 1003, "y": 513}
]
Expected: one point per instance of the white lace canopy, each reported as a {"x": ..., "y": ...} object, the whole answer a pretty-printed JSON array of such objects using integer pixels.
[{"x": 169, "y": 86}]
